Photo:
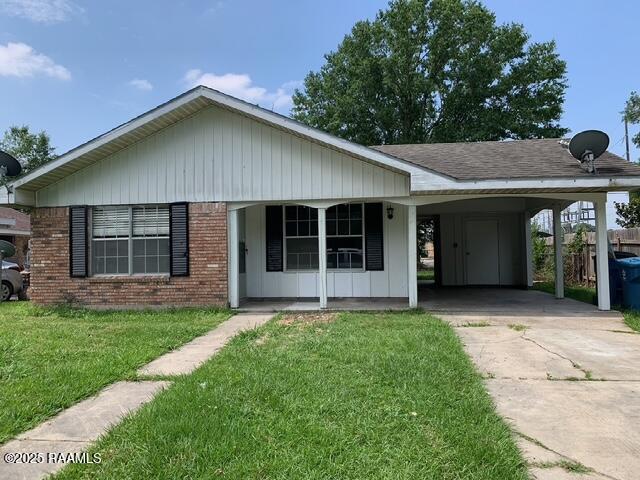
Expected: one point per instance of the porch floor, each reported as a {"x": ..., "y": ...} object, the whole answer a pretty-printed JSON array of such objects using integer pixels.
[{"x": 497, "y": 301}]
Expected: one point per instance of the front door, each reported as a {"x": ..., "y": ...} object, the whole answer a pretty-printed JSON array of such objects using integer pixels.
[{"x": 482, "y": 257}]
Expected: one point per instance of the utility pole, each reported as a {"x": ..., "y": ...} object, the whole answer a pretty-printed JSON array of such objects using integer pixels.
[{"x": 626, "y": 137}]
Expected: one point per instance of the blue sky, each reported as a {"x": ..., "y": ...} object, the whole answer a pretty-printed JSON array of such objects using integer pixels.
[{"x": 77, "y": 69}]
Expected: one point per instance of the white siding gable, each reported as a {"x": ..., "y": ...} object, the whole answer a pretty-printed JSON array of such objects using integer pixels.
[{"x": 219, "y": 155}]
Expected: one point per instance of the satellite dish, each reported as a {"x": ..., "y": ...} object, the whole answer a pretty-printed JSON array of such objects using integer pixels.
[
  {"x": 7, "y": 249},
  {"x": 10, "y": 165},
  {"x": 587, "y": 146}
]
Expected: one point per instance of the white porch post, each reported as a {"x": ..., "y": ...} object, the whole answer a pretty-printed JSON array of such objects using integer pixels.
[
  {"x": 528, "y": 246},
  {"x": 322, "y": 256},
  {"x": 558, "y": 238},
  {"x": 412, "y": 255},
  {"x": 602, "y": 254},
  {"x": 233, "y": 267}
]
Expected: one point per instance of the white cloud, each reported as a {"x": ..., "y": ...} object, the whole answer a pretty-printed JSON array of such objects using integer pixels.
[
  {"x": 241, "y": 86},
  {"x": 20, "y": 60},
  {"x": 141, "y": 84},
  {"x": 41, "y": 11}
]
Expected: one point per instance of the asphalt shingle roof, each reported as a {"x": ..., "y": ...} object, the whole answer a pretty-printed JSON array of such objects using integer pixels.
[{"x": 540, "y": 158}]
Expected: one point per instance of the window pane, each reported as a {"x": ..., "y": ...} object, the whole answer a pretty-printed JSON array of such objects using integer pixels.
[
  {"x": 355, "y": 210},
  {"x": 111, "y": 265},
  {"x": 123, "y": 264},
  {"x": 138, "y": 265},
  {"x": 123, "y": 248},
  {"x": 343, "y": 211},
  {"x": 150, "y": 221},
  {"x": 292, "y": 261},
  {"x": 331, "y": 213},
  {"x": 111, "y": 247},
  {"x": 152, "y": 247},
  {"x": 304, "y": 213},
  {"x": 163, "y": 264},
  {"x": 98, "y": 248},
  {"x": 303, "y": 229},
  {"x": 356, "y": 227},
  {"x": 343, "y": 260},
  {"x": 163, "y": 246},
  {"x": 356, "y": 260},
  {"x": 332, "y": 260},
  {"x": 331, "y": 227},
  {"x": 343, "y": 227},
  {"x": 291, "y": 213},
  {"x": 152, "y": 264},
  {"x": 138, "y": 247},
  {"x": 313, "y": 213},
  {"x": 313, "y": 227},
  {"x": 291, "y": 229},
  {"x": 110, "y": 222}
]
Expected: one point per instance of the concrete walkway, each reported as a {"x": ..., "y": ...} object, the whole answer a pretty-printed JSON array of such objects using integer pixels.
[
  {"x": 64, "y": 438},
  {"x": 566, "y": 376},
  {"x": 193, "y": 354}
]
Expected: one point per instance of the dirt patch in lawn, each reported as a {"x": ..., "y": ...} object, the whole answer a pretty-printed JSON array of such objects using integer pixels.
[{"x": 306, "y": 319}]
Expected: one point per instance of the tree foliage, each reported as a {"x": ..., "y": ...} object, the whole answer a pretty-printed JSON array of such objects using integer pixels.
[
  {"x": 632, "y": 114},
  {"x": 628, "y": 213},
  {"x": 436, "y": 71},
  {"x": 30, "y": 149}
]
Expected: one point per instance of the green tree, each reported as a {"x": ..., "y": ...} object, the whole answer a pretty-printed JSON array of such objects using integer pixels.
[
  {"x": 436, "y": 71},
  {"x": 629, "y": 213},
  {"x": 30, "y": 149}
]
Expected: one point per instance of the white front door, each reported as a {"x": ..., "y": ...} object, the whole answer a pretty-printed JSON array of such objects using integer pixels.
[{"x": 482, "y": 257}]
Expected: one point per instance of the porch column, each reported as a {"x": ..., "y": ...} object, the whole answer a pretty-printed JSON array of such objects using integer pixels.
[
  {"x": 322, "y": 256},
  {"x": 412, "y": 255},
  {"x": 233, "y": 259},
  {"x": 528, "y": 246},
  {"x": 558, "y": 238},
  {"x": 602, "y": 254}
]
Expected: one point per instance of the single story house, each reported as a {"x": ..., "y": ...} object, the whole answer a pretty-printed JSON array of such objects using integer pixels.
[{"x": 207, "y": 199}]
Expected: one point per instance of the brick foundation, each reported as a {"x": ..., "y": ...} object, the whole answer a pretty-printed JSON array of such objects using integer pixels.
[{"x": 206, "y": 285}]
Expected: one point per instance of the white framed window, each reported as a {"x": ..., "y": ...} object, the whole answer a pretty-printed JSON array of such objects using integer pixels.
[
  {"x": 130, "y": 240},
  {"x": 301, "y": 237},
  {"x": 345, "y": 240}
]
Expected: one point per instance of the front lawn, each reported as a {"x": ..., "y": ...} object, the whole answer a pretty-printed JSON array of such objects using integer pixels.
[
  {"x": 586, "y": 294},
  {"x": 354, "y": 396},
  {"x": 52, "y": 358}
]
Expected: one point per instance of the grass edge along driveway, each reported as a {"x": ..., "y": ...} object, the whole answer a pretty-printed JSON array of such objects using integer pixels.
[
  {"x": 349, "y": 395},
  {"x": 587, "y": 295},
  {"x": 51, "y": 358}
]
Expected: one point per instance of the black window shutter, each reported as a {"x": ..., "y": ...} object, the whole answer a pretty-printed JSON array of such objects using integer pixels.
[
  {"x": 373, "y": 236},
  {"x": 274, "y": 238},
  {"x": 179, "y": 239},
  {"x": 78, "y": 251}
]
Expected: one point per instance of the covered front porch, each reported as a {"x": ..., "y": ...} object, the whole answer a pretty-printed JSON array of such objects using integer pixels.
[{"x": 309, "y": 262}]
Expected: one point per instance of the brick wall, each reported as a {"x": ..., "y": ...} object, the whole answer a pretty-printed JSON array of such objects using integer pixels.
[{"x": 206, "y": 284}]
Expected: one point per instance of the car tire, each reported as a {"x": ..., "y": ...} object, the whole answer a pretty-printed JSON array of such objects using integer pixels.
[{"x": 6, "y": 291}]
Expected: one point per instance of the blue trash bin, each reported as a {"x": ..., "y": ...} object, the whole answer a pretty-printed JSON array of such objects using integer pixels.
[
  {"x": 615, "y": 281},
  {"x": 630, "y": 282}
]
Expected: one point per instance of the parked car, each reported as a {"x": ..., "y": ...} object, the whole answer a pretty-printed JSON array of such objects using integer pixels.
[{"x": 11, "y": 280}]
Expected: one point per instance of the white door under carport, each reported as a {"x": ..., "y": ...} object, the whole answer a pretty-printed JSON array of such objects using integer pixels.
[{"x": 482, "y": 252}]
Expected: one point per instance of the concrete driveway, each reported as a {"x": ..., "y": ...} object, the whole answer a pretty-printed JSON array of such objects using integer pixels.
[{"x": 566, "y": 377}]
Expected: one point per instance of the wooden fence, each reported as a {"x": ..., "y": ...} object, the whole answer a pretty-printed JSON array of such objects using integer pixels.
[{"x": 580, "y": 269}]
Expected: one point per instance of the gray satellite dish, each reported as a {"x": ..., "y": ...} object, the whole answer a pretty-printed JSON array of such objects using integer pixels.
[
  {"x": 587, "y": 146},
  {"x": 10, "y": 165}
]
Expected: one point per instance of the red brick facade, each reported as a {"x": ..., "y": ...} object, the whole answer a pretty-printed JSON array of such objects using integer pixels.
[{"x": 206, "y": 284}]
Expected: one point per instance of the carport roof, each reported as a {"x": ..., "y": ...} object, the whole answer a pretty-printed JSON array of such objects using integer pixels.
[{"x": 538, "y": 158}]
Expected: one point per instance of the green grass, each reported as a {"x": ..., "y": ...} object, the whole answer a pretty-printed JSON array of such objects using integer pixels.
[
  {"x": 586, "y": 294},
  {"x": 582, "y": 294},
  {"x": 426, "y": 275},
  {"x": 51, "y": 358},
  {"x": 364, "y": 396}
]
